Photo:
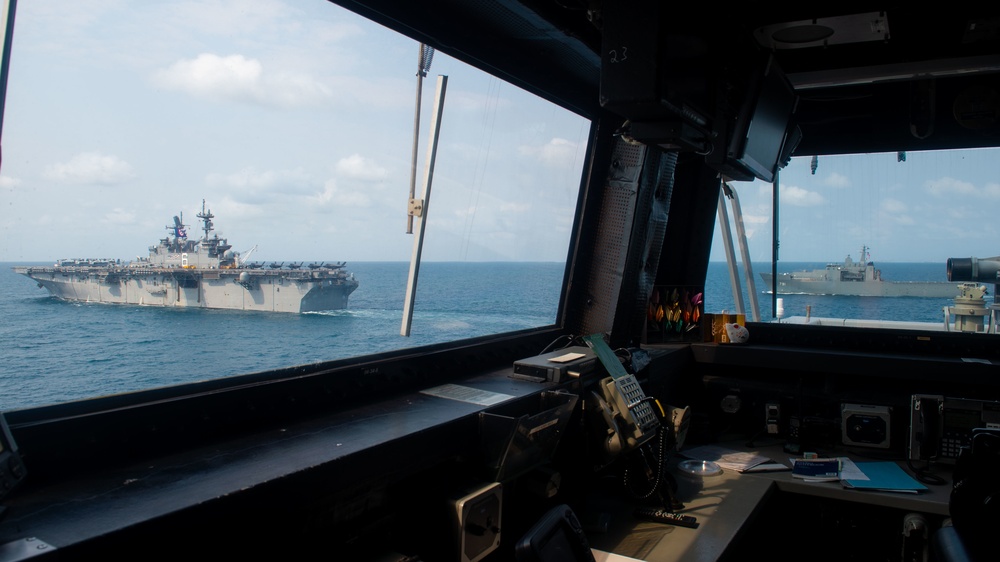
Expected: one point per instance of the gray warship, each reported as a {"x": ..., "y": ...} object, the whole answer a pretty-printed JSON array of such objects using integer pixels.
[
  {"x": 203, "y": 273},
  {"x": 856, "y": 278}
]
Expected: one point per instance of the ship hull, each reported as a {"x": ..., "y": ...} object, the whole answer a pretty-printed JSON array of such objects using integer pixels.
[
  {"x": 789, "y": 285},
  {"x": 257, "y": 290}
]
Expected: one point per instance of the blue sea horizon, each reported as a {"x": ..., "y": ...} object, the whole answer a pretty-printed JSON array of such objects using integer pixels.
[{"x": 56, "y": 350}]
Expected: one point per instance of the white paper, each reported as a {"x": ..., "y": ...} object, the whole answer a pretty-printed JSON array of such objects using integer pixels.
[
  {"x": 726, "y": 458},
  {"x": 567, "y": 357}
]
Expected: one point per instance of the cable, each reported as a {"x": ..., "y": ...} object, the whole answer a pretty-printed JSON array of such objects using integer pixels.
[
  {"x": 552, "y": 345},
  {"x": 924, "y": 476},
  {"x": 659, "y": 470}
]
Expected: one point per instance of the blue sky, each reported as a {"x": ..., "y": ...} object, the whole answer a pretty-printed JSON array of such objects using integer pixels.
[
  {"x": 927, "y": 208},
  {"x": 294, "y": 120}
]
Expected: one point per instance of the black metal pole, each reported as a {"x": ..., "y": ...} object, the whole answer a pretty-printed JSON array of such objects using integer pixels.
[
  {"x": 8, "y": 38},
  {"x": 774, "y": 247}
]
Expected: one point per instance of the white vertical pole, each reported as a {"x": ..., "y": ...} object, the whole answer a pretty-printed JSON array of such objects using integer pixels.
[
  {"x": 416, "y": 134},
  {"x": 741, "y": 237},
  {"x": 7, "y": 10},
  {"x": 418, "y": 240},
  {"x": 727, "y": 244}
]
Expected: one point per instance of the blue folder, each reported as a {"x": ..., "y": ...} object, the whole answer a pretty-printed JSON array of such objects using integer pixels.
[{"x": 884, "y": 476}]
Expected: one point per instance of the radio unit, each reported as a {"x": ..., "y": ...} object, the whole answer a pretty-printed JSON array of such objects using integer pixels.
[{"x": 941, "y": 426}]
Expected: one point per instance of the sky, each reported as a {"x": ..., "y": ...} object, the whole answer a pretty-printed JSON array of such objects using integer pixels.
[
  {"x": 294, "y": 121},
  {"x": 924, "y": 207}
]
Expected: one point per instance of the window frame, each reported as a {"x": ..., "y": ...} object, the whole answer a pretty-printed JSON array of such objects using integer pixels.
[{"x": 66, "y": 439}]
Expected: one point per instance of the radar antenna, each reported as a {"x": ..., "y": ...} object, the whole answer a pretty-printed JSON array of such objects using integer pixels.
[{"x": 206, "y": 217}]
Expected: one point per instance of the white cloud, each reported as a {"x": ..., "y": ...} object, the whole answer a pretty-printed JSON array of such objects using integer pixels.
[
  {"x": 466, "y": 212},
  {"x": 232, "y": 209},
  {"x": 836, "y": 180},
  {"x": 332, "y": 194},
  {"x": 798, "y": 197},
  {"x": 894, "y": 206},
  {"x": 471, "y": 101},
  {"x": 234, "y": 17},
  {"x": 896, "y": 211},
  {"x": 9, "y": 182},
  {"x": 358, "y": 167},
  {"x": 335, "y": 32},
  {"x": 119, "y": 216},
  {"x": 217, "y": 70},
  {"x": 294, "y": 90},
  {"x": 250, "y": 185},
  {"x": 238, "y": 78},
  {"x": 950, "y": 186},
  {"x": 514, "y": 207},
  {"x": 90, "y": 168},
  {"x": 956, "y": 215},
  {"x": 251, "y": 177},
  {"x": 556, "y": 153},
  {"x": 213, "y": 75},
  {"x": 262, "y": 19}
]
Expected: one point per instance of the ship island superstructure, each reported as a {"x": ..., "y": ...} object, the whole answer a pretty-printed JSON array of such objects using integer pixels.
[
  {"x": 856, "y": 278},
  {"x": 203, "y": 273}
]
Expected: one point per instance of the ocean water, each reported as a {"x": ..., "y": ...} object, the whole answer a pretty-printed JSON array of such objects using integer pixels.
[
  {"x": 54, "y": 351},
  {"x": 719, "y": 294}
]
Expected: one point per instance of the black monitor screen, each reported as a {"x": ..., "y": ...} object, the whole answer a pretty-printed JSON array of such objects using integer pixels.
[{"x": 763, "y": 126}]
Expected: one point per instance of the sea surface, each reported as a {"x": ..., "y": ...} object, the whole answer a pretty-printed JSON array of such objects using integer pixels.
[
  {"x": 719, "y": 294},
  {"x": 54, "y": 351}
]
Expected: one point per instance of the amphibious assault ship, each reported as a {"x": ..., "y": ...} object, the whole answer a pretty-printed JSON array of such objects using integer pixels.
[
  {"x": 859, "y": 279},
  {"x": 203, "y": 273}
]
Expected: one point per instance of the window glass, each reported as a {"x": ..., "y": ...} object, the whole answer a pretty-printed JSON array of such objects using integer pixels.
[
  {"x": 292, "y": 124},
  {"x": 908, "y": 212}
]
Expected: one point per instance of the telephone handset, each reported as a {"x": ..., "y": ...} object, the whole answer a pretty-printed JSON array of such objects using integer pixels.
[
  {"x": 627, "y": 411},
  {"x": 630, "y": 412},
  {"x": 630, "y": 421},
  {"x": 926, "y": 425}
]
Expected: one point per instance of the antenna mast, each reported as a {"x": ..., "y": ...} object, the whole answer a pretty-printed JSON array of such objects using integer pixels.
[
  {"x": 424, "y": 58},
  {"x": 206, "y": 218}
]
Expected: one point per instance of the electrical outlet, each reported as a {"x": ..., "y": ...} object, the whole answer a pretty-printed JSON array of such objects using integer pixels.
[{"x": 773, "y": 417}]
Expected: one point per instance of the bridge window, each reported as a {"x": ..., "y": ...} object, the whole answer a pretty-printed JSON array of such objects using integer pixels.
[
  {"x": 294, "y": 123},
  {"x": 865, "y": 240}
]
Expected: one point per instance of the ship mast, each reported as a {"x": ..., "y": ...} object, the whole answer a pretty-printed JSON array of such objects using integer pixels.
[{"x": 206, "y": 217}]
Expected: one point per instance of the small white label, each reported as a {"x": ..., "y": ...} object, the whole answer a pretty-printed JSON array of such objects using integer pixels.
[
  {"x": 567, "y": 357},
  {"x": 467, "y": 394}
]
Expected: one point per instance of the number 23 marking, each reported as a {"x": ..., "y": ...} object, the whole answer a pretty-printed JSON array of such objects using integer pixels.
[{"x": 614, "y": 55}]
